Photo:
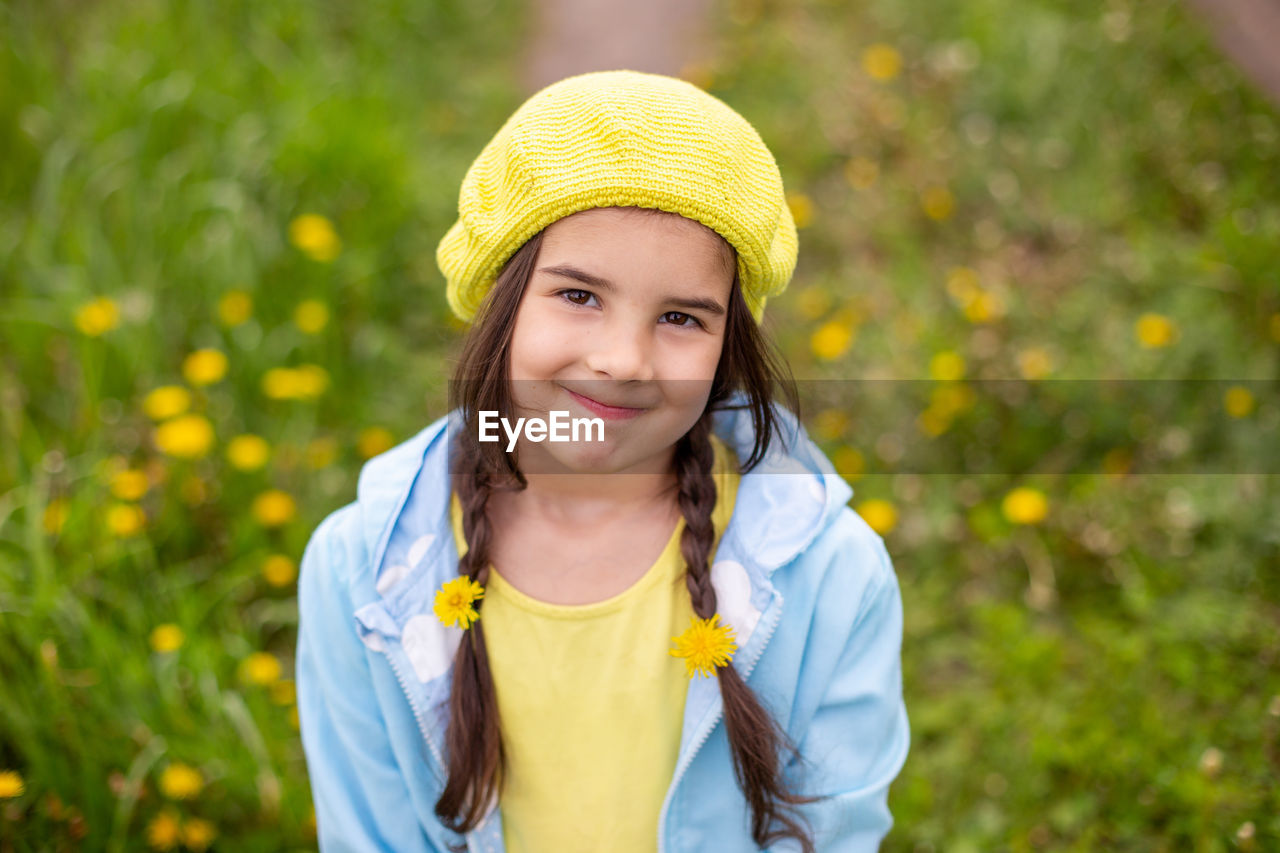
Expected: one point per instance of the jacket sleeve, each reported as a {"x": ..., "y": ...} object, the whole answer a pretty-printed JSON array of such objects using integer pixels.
[
  {"x": 361, "y": 800},
  {"x": 858, "y": 737}
]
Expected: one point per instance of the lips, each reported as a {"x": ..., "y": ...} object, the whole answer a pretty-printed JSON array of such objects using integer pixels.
[{"x": 605, "y": 410}]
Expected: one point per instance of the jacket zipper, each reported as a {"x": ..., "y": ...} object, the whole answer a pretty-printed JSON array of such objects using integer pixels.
[
  {"x": 417, "y": 712},
  {"x": 472, "y": 838},
  {"x": 706, "y": 733}
]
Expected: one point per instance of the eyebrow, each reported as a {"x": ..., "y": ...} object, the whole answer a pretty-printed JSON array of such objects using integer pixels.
[{"x": 566, "y": 271}]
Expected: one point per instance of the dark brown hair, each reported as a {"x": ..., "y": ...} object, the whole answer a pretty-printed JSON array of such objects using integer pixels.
[{"x": 748, "y": 362}]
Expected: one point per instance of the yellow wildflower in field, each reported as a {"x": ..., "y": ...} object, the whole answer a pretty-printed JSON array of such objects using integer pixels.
[
  {"x": 881, "y": 62},
  {"x": 1155, "y": 330},
  {"x": 284, "y": 692},
  {"x": 814, "y": 302},
  {"x": 861, "y": 173},
  {"x": 1025, "y": 505},
  {"x": 801, "y": 209},
  {"x": 261, "y": 668},
  {"x": 374, "y": 440},
  {"x": 880, "y": 515},
  {"x": 934, "y": 422},
  {"x": 314, "y": 379},
  {"x": 124, "y": 520},
  {"x": 1239, "y": 401},
  {"x": 321, "y": 452},
  {"x": 248, "y": 452},
  {"x": 279, "y": 570},
  {"x": 830, "y": 424},
  {"x": 167, "y": 638},
  {"x": 274, "y": 508},
  {"x": 1034, "y": 363},
  {"x": 454, "y": 600},
  {"x": 129, "y": 484},
  {"x": 951, "y": 398},
  {"x": 198, "y": 834},
  {"x": 11, "y": 784},
  {"x": 315, "y": 237},
  {"x": 705, "y": 646},
  {"x": 55, "y": 516},
  {"x": 166, "y": 402},
  {"x": 832, "y": 339},
  {"x": 181, "y": 781},
  {"x": 947, "y": 365},
  {"x": 97, "y": 317},
  {"x": 985, "y": 306},
  {"x": 848, "y": 462},
  {"x": 962, "y": 284},
  {"x": 235, "y": 307},
  {"x": 295, "y": 383},
  {"x": 311, "y": 316},
  {"x": 164, "y": 832},
  {"x": 205, "y": 366},
  {"x": 186, "y": 436},
  {"x": 938, "y": 203}
]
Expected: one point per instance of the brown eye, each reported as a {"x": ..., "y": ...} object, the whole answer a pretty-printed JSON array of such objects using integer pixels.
[
  {"x": 577, "y": 297},
  {"x": 676, "y": 318}
]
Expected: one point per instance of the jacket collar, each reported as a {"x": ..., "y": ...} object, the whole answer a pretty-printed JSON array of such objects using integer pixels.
[{"x": 782, "y": 505}]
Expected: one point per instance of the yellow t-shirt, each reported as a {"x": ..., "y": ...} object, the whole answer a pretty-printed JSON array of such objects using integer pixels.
[{"x": 591, "y": 702}]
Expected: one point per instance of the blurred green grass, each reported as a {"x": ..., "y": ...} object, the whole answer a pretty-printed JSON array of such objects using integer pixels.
[{"x": 987, "y": 190}]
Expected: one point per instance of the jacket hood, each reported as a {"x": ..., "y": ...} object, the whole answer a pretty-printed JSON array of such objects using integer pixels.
[{"x": 782, "y": 505}]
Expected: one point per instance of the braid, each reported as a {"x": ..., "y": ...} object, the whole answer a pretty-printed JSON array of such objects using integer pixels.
[
  {"x": 755, "y": 739},
  {"x": 697, "y": 498},
  {"x": 473, "y": 740}
]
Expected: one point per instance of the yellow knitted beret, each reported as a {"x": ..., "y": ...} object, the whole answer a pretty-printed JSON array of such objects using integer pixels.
[{"x": 620, "y": 139}]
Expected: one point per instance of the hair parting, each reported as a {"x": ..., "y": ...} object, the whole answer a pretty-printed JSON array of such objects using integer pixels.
[{"x": 748, "y": 363}]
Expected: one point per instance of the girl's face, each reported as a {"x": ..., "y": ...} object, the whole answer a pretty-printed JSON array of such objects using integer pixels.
[{"x": 623, "y": 319}]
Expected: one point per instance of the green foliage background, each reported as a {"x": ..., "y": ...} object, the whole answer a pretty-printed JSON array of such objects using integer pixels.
[{"x": 1104, "y": 678}]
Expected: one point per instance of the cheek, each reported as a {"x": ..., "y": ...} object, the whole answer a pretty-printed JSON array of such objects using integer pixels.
[
  {"x": 692, "y": 392},
  {"x": 687, "y": 392},
  {"x": 536, "y": 346},
  {"x": 692, "y": 398},
  {"x": 694, "y": 362}
]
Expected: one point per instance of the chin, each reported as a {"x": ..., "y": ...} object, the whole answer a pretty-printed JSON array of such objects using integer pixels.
[{"x": 588, "y": 459}]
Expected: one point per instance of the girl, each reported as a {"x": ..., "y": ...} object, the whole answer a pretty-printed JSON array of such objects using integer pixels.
[{"x": 666, "y": 632}]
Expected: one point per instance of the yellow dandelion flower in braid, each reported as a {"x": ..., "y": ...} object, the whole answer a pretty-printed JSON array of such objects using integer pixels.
[
  {"x": 454, "y": 600},
  {"x": 705, "y": 646}
]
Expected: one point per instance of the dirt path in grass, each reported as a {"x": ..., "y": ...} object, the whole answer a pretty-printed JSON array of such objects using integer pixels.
[
  {"x": 575, "y": 36},
  {"x": 1248, "y": 32}
]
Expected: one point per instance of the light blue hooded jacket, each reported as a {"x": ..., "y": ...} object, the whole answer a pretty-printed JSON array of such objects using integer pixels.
[{"x": 807, "y": 586}]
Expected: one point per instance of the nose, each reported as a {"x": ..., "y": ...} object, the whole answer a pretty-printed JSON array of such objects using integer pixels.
[{"x": 621, "y": 354}]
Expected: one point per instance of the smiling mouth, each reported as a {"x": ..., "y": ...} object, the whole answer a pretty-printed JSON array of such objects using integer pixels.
[{"x": 605, "y": 410}]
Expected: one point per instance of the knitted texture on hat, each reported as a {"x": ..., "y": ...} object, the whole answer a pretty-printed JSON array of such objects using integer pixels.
[{"x": 620, "y": 139}]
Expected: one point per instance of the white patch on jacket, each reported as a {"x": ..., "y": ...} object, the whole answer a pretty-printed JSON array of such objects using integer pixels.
[
  {"x": 733, "y": 599},
  {"x": 430, "y": 646}
]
